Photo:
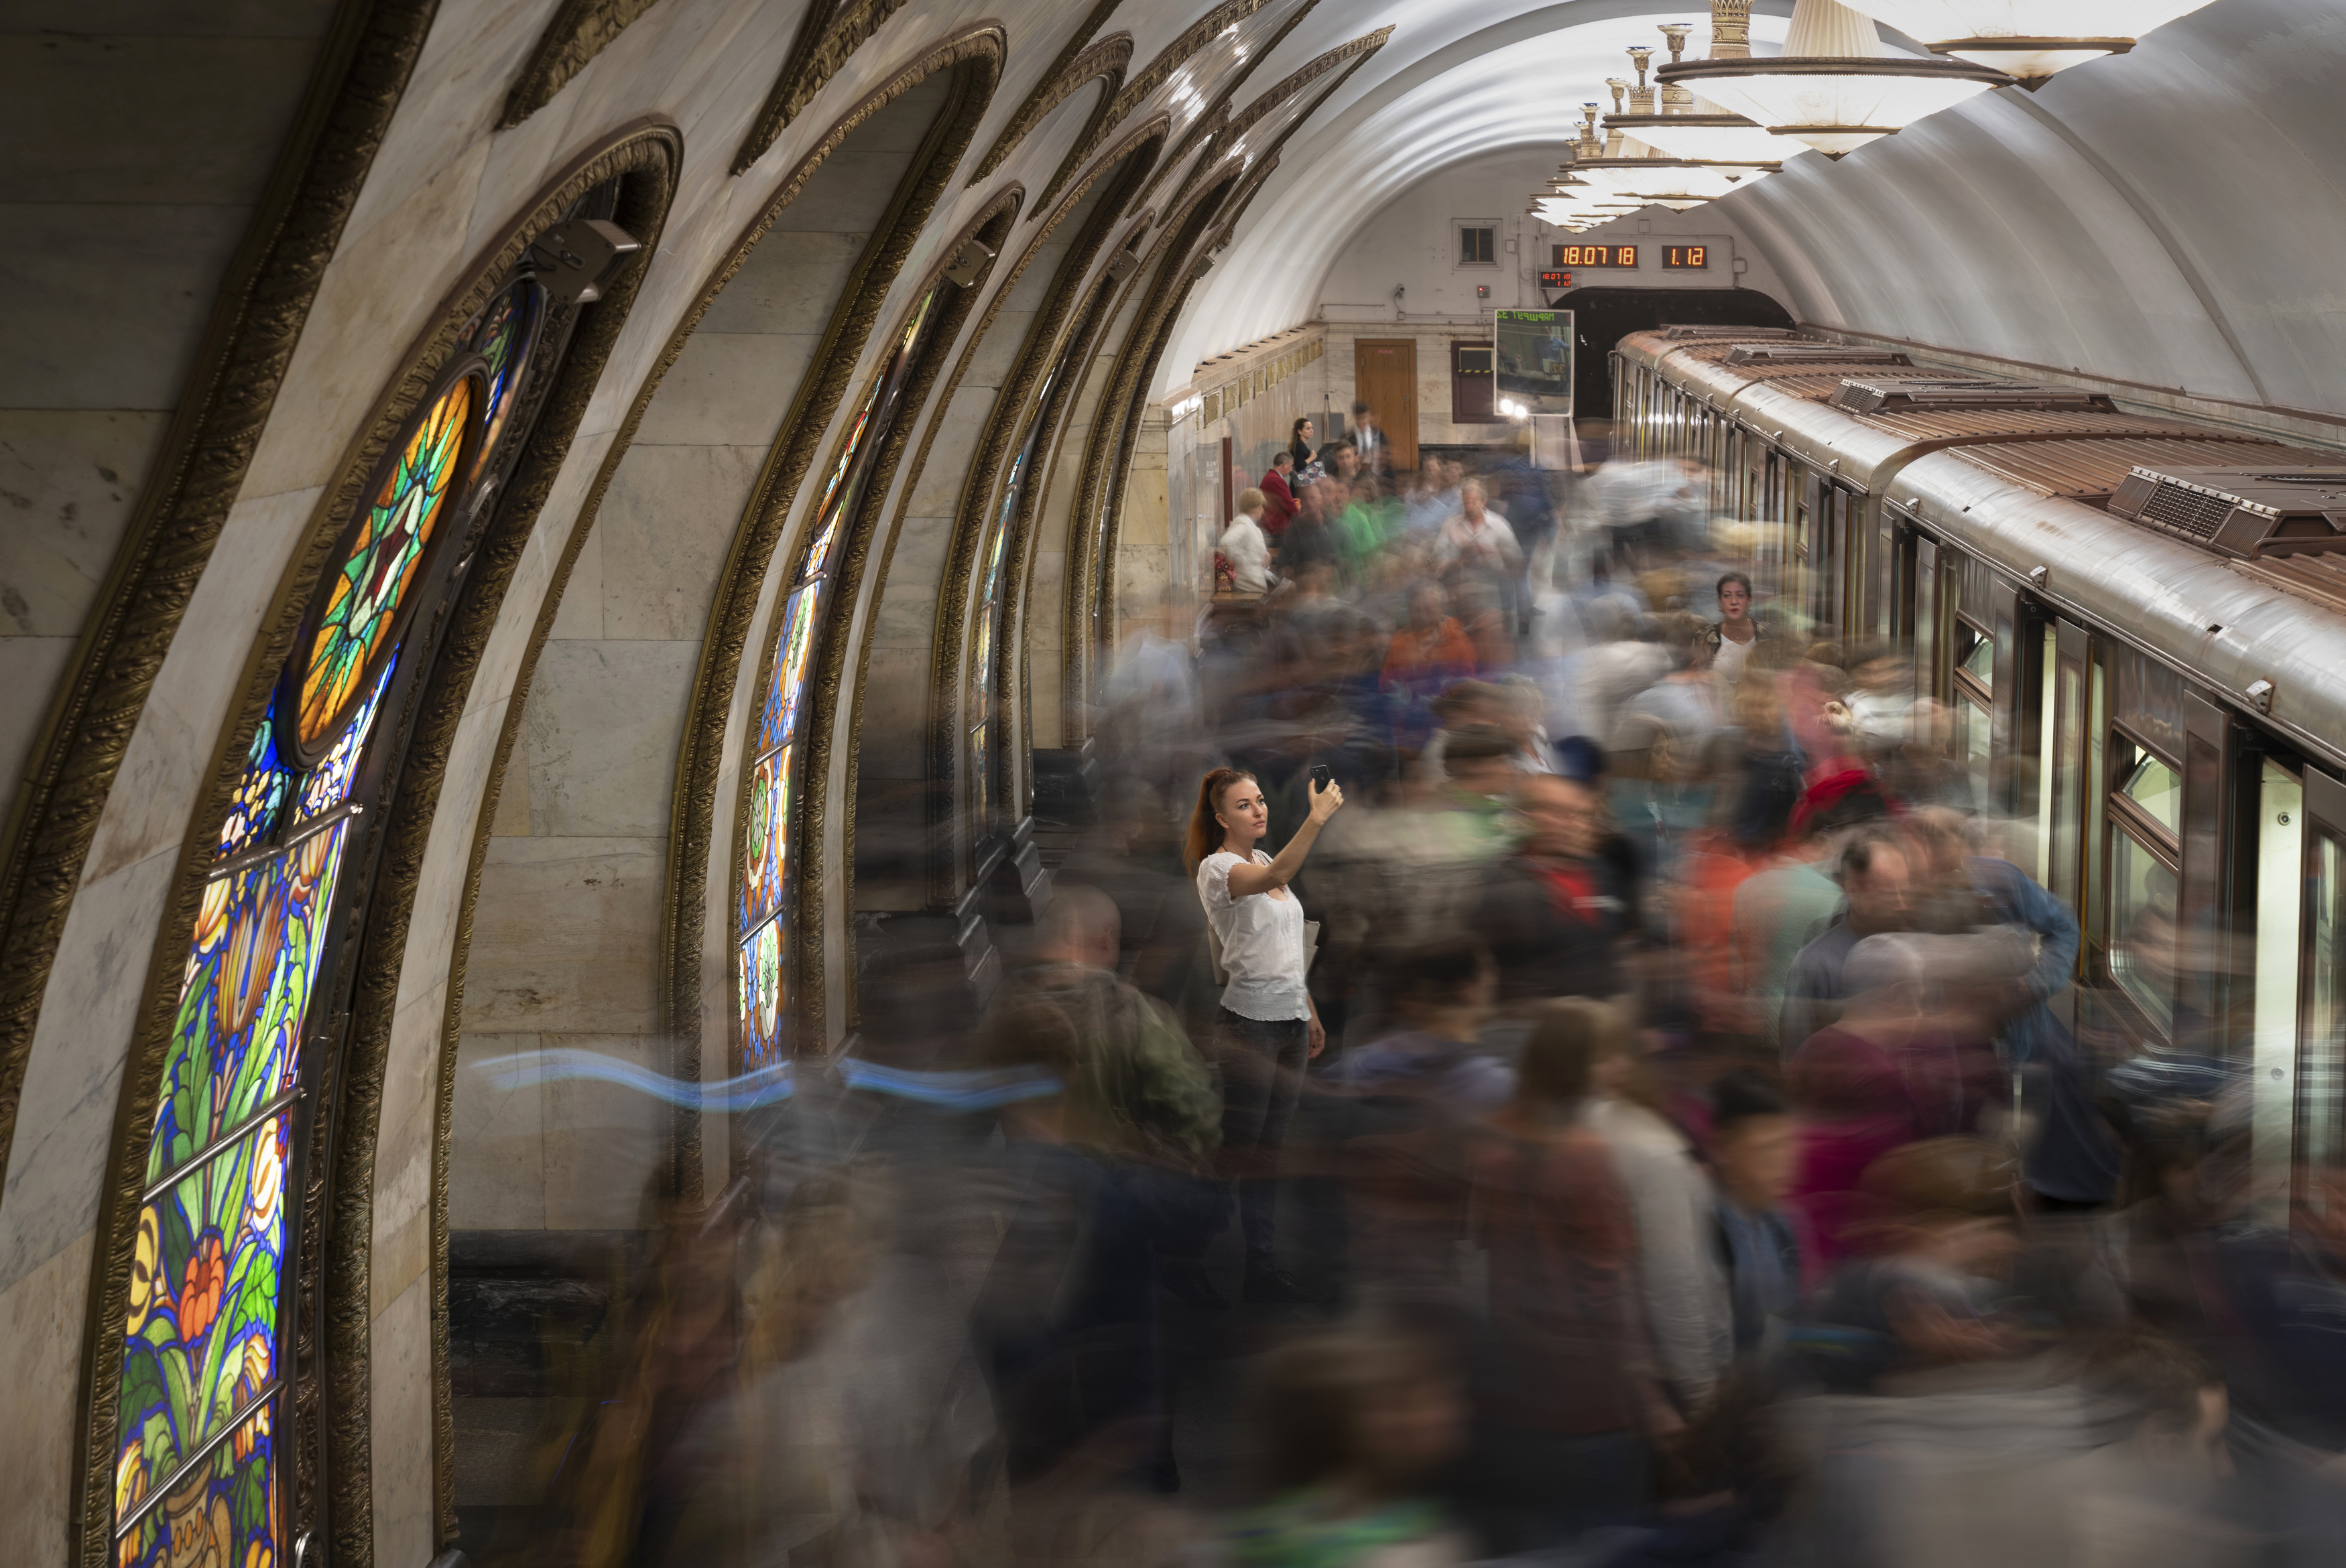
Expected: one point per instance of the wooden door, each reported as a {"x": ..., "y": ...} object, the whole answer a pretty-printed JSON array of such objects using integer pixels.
[{"x": 1384, "y": 376}]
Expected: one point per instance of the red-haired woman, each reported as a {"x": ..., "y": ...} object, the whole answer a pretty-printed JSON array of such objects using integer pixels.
[{"x": 1268, "y": 1027}]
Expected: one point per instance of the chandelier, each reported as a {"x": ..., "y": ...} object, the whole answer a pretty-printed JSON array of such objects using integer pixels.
[
  {"x": 1835, "y": 87},
  {"x": 2028, "y": 39},
  {"x": 1737, "y": 151},
  {"x": 1690, "y": 126}
]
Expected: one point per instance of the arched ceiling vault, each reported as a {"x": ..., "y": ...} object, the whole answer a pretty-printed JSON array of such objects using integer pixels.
[{"x": 2162, "y": 218}]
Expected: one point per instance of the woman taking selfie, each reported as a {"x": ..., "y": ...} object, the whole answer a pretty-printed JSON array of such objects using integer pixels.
[{"x": 1267, "y": 1028}]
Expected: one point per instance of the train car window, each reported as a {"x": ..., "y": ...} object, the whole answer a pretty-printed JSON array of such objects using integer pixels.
[
  {"x": 2150, "y": 699},
  {"x": 2145, "y": 883},
  {"x": 1977, "y": 659},
  {"x": 2158, "y": 789}
]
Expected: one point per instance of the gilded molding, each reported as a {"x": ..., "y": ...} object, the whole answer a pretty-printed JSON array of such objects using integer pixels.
[
  {"x": 1106, "y": 61},
  {"x": 345, "y": 1123},
  {"x": 810, "y": 68},
  {"x": 247, "y": 343},
  {"x": 978, "y": 491},
  {"x": 1108, "y": 455},
  {"x": 1218, "y": 112},
  {"x": 579, "y": 31},
  {"x": 1352, "y": 56},
  {"x": 701, "y": 758},
  {"x": 651, "y": 159},
  {"x": 991, "y": 224},
  {"x": 1155, "y": 74},
  {"x": 256, "y": 320},
  {"x": 1082, "y": 566}
]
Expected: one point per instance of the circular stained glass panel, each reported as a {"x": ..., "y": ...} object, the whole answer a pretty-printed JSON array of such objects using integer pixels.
[{"x": 353, "y": 625}]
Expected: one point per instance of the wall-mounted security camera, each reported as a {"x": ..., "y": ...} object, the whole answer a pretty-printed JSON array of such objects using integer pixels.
[
  {"x": 575, "y": 261},
  {"x": 969, "y": 264}
]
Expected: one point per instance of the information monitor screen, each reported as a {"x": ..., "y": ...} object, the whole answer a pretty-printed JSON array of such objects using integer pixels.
[{"x": 1535, "y": 354}]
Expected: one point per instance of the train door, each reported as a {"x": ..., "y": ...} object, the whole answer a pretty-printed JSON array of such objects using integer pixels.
[{"x": 2321, "y": 998}]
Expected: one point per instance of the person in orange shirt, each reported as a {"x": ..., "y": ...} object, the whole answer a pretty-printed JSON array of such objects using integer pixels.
[{"x": 1423, "y": 656}]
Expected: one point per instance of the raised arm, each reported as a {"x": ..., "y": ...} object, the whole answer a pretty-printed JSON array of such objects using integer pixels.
[{"x": 1248, "y": 879}]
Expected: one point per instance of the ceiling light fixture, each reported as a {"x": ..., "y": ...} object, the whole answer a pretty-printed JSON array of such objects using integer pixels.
[
  {"x": 1644, "y": 138},
  {"x": 1695, "y": 127},
  {"x": 2027, "y": 39},
  {"x": 1835, "y": 87}
]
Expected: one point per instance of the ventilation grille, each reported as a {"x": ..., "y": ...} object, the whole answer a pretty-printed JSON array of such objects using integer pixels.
[
  {"x": 2186, "y": 511},
  {"x": 1681, "y": 332},
  {"x": 1747, "y": 353},
  {"x": 1858, "y": 396},
  {"x": 2249, "y": 513}
]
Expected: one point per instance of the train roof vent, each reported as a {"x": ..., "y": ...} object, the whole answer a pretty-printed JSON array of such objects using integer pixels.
[
  {"x": 1680, "y": 333},
  {"x": 1918, "y": 397},
  {"x": 1813, "y": 354},
  {"x": 2250, "y": 512}
]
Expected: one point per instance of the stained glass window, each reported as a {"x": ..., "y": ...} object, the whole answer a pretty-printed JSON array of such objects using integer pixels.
[
  {"x": 378, "y": 563},
  {"x": 508, "y": 332},
  {"x": 201, "y": 1402},
  {"x": 769, "y": 815}
]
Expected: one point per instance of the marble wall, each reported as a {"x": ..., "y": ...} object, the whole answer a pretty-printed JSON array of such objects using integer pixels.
[
  {"x": 566, "y": 952},
  {"x": 139, "y": 138}
]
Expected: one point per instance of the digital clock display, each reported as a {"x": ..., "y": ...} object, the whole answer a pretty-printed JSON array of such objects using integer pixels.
[
  {"x": 1595, "y": 255},
  {"x": 1686, "y": 258},
  {"x": 1555, "y": 279}
]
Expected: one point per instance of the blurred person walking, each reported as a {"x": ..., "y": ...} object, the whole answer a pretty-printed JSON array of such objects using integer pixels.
[
  {"x": 1875, "y": 869},
  {"x": 1475, "y": 539},
  {"x": 1681, "y": 1285},
  {"x": 1352, "y": 1427},
  {"x": 1268, "y": 1027},
  {"x": 1142, "y": 1078},
  {"x": 1423, "y": 659},
  {"x": 1753, "y": 1147},
  {"x": 1569, "y": 1393},
  {"x": 1737, "y": 635},
  {"x": 1552, "y": 914},
  {"x": 1400, "y": 1122}
]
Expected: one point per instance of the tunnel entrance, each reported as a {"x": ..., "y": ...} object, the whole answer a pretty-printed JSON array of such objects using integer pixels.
[{"x": 1603, "y": 316}]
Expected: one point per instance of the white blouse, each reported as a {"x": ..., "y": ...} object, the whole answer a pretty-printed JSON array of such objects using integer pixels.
[{"x": 1262, "y": 943}]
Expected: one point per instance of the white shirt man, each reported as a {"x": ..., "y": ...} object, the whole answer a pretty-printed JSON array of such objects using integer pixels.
[{"x": 1477, "y": 537}]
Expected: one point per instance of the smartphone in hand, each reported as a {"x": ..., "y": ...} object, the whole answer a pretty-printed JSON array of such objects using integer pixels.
[{"x": 1321, "y": 777}]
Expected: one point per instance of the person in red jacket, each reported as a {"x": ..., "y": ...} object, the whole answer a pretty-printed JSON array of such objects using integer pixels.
[{"x": 1278, "y": 502}]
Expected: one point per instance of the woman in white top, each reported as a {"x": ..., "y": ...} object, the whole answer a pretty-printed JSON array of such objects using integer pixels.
[{"x": 1268, "y": 1027}]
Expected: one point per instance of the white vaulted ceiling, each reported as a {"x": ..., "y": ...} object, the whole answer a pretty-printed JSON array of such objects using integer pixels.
[{"x": 2173, "y": 217}]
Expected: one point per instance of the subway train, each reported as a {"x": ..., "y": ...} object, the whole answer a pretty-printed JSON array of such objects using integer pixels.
[{"x": 2134, "y": 626}]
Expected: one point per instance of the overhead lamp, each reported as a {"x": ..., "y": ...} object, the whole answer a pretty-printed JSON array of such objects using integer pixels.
[
  {"x": 1691, "y": 127},
  {"x": 1834, "y": 86},
  {"x": 1647, "y": 133},
  {"x": 2027, "y": 39}
]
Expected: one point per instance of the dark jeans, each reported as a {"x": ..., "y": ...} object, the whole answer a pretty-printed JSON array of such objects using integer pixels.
[{"x": 1262, "y": 1079}]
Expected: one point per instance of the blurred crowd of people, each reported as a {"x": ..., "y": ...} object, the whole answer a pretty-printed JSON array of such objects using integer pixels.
[{"x": 1536, "y": 1055}]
